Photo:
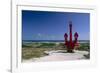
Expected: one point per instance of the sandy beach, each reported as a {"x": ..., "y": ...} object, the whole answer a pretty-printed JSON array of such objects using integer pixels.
[{"x": 59, "y": 55}]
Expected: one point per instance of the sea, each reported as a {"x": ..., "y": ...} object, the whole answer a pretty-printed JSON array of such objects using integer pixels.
[{"x": 52, "y": 41}]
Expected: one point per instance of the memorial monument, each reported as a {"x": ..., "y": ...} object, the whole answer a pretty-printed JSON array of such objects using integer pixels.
[{"x": 70, "y": 44}]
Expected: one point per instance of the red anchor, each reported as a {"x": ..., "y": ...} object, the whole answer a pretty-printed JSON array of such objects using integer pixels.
[{"x": 71, "y": 43}]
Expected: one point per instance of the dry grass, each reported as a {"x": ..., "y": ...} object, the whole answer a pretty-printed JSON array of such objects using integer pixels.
[{"x": 36, "y": 50}]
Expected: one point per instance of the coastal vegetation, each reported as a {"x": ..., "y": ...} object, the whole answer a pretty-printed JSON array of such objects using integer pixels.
[{"x": 36, "y": 49}]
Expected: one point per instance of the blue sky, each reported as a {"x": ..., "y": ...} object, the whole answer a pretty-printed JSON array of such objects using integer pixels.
[{"x": 44, "y": 25}]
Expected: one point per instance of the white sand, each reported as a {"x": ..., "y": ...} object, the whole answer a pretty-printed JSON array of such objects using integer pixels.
[{"x": 60, "y": 56}]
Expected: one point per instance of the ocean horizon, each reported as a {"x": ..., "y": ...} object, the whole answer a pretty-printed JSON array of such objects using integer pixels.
[{"x": 81, "y": 41}]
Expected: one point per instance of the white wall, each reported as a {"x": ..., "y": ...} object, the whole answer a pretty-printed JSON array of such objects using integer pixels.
[
  {"x": 85, "y": 2},
  {"x": 5, "y": 33}
]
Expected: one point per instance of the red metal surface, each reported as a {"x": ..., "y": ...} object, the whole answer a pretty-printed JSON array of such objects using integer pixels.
[{"x": 70, "y": 44}]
